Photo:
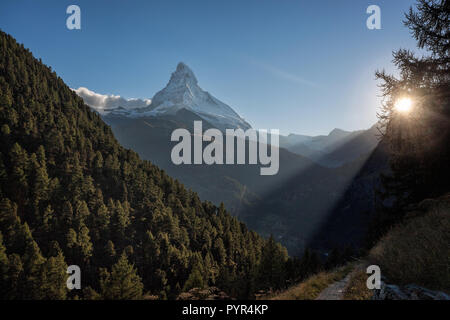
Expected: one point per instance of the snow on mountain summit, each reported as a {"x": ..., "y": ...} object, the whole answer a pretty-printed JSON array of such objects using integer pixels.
[{"x": 183, "y": 91}]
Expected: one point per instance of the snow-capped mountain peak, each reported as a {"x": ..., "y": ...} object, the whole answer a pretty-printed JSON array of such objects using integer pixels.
[{"x": 183, "y": 91}]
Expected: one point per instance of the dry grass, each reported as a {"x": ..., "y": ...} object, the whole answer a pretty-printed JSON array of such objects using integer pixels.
[
  {"x": 313, "y": 286},
  {"x": 418, "y": 251},
  {"x": 357, "y": 286}
]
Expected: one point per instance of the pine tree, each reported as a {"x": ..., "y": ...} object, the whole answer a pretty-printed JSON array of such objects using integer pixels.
[
  {"x": 18, "y": 178},
  {"x": 14, "y": 288},
  {"x": 33, "y": 263},
  {"x": 195, "y": 280},
  {"x": 9, "y": 224},
  {"x": 120, "y": 221},
  {"x": 81, "y": 214},
  {"x": 310, "y": 263},
  {"x": 55, "y": 277},
  {"x": 41, "y": 183},
  {"x": 4, "y": 266},
  {"x": 122, "y": 282},
  {"x": 67, "y": 217},
  {"x": 272, "y": 272},
  {"x": 418, "y": 142},
  {"x": 220, "y": 252},
  {"x": 110, "y": 253}
]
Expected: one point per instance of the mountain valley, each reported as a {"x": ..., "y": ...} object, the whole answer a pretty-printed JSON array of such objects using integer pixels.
[{"x": 315, "y": 172}]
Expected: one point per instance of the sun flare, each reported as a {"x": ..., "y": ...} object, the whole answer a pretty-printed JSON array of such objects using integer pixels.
[{"x": 404, "y": 105}]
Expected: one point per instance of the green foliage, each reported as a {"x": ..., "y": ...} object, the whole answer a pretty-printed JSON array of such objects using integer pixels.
[
  {"x": 122, "y": 282},
  {"x": 55, "y": 277},
  {"x": 271, "y": 269},
  {"x": 4, "y": 266},
  {"x": 195, "y": 280}
]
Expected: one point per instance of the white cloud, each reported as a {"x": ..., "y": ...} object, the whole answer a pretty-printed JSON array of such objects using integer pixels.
[{"x": 100, "y": 102}]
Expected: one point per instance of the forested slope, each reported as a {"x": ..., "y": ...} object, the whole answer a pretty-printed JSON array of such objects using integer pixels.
[{"x": 70, "y": 194}]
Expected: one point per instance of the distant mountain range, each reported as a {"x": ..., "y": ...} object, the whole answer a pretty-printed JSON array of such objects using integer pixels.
[
  {"x": 315, "y": 172},
  {"x": 335, "y": 149}
]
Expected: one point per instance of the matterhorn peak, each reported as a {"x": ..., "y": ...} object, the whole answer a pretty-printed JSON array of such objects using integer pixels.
[
  {"x": 182, "y": 67},
  {"x": 182, "y": 75},
  {"x": 183, "y": 92}
]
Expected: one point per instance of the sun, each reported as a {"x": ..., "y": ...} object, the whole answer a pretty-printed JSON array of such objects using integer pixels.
[{"x": 404, "y": 105}]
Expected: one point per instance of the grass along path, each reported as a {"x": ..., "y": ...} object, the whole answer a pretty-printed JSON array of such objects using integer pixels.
[
  {"x": 311, "y": 288},
  {"x": 335, "y": 291}
]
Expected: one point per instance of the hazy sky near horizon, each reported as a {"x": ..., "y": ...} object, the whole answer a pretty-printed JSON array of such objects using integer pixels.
[{"x": 299, "y": 66}]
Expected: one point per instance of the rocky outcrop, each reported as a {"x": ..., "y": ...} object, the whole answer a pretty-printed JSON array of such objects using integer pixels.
[{"x": 408, "y": 292}]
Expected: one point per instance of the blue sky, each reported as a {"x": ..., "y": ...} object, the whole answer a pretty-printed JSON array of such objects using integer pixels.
[{"x": 299, "y": 66}]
